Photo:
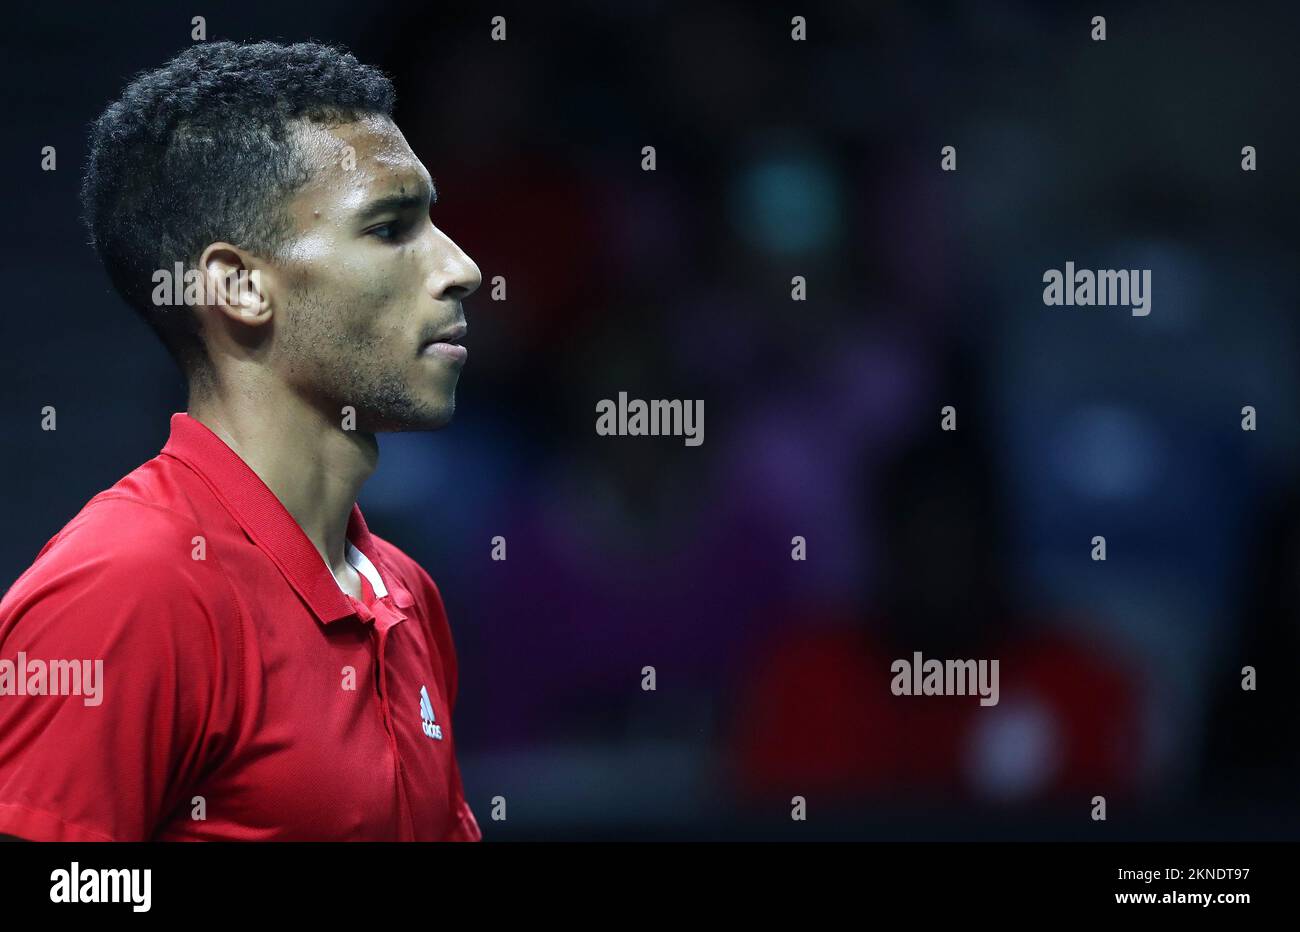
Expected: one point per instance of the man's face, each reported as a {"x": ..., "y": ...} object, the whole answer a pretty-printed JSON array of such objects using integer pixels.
[{"x": 368, "y": 295}]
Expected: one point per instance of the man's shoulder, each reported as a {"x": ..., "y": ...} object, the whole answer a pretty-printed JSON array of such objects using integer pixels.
[
  {"x": 143, "y": 516},
  {"x": 143, "y": 530},
  {"x": 131, "y": 580}
]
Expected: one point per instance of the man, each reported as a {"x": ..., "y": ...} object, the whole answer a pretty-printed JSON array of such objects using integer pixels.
[{"x": 217, "y": 647}]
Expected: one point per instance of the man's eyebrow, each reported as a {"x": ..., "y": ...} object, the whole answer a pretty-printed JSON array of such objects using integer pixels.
[{"x": 419, "y": 199}]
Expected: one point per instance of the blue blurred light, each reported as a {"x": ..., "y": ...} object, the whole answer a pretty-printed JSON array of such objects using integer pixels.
[
  {"x": 1108, "y": 453},
  {"x": 788, "y": 204}
]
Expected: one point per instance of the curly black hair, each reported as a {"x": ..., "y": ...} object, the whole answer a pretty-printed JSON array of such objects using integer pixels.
[{"x": 200, "y": 150}]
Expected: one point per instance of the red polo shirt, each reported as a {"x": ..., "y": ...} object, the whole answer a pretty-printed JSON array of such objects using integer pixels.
[{"x": 244, "y": 696}]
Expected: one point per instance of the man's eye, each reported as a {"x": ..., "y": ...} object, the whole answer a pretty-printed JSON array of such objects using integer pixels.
[{"x": 387, "y": 231}]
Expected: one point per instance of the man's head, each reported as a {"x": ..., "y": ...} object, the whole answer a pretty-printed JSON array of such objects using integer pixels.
[{"x": 279, "y": 169}]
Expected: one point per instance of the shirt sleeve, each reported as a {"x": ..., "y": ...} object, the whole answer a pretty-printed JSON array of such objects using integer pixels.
[{"x": 114, "y": 679}]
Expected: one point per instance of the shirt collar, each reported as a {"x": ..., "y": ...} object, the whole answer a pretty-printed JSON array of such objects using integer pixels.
[{"x": 269, "y": 524}]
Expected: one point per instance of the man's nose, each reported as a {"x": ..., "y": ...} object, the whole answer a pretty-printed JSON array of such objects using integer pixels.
[{"x": 457, "y": 275}]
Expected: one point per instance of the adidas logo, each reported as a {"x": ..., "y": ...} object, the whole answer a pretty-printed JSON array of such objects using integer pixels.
[{"x": 431, "y": 727}]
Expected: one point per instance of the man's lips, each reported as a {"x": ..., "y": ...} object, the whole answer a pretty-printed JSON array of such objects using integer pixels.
[{"x": 448, "y": 344}]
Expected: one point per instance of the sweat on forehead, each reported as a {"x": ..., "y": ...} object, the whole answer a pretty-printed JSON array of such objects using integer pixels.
[
  {"x": 375, "y": 140},
  {"x": 369, "y": 152}
]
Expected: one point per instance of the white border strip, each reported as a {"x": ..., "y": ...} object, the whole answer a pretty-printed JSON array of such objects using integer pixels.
[{"x": 361, "y": 563}]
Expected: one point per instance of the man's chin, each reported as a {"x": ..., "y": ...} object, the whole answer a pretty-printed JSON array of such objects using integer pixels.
[{"x": 434, "y": 416}]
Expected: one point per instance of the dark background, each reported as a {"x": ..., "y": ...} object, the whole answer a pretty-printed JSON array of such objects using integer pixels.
[{"x": 779, "y": 158}]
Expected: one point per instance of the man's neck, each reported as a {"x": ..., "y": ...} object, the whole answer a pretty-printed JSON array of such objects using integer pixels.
[{"x": 314, "y": 466}]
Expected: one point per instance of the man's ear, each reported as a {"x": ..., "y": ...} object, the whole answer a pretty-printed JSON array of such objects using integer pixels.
[{"x": 233, "y": 285}]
